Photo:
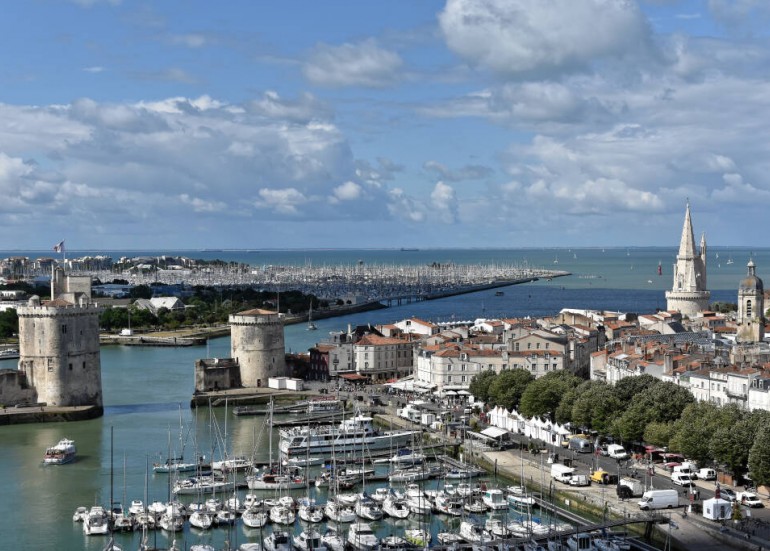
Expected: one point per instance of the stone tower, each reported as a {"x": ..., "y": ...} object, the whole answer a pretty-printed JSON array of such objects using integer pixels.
[
  {"x": 751, "y": 308},
  {"x": 256, "y": 343},
  {"x": 59, "y": 344},
  {"x": 689, "y": 294}
]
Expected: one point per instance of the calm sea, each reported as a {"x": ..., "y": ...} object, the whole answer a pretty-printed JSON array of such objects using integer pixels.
[{"x": 146, "y": 390}]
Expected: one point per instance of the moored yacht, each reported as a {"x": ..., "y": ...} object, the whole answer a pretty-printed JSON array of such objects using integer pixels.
[
  {"x": 278, "y": 540},
  {"x": 308, "y": 540},
  {"x": 350, "y": 436},
  {"x": 96, "y": 522},
  {"x": 361, "y": 537}
]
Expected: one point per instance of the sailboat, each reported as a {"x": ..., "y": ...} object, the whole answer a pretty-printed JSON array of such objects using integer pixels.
[
  {"x": 729, "y": 260},
  {"x": 274, "y": 477},
  {"x": 310, "y": 325}
]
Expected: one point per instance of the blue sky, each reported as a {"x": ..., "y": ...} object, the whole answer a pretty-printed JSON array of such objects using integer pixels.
[{"x": 457, "y": 123}]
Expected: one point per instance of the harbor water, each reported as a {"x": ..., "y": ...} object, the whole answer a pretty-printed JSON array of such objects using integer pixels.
[{"x": 146, "y": 390}]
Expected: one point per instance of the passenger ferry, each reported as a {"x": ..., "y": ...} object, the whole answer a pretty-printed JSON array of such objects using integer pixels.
[
  {"x": 352, "y": 435},
  {"x": 63, "y": 452}
]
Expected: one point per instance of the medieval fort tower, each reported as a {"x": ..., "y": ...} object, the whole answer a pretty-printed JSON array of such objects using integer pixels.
[
  {"x": 256, "y": 343},
  {"x": 59, "y": 343},
  {"x": 689, "y": 294}
]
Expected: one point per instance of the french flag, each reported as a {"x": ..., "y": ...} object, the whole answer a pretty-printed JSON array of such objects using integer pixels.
[{"x": 59, "y": 247}]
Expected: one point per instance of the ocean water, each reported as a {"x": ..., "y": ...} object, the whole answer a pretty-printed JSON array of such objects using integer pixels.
[{"x": 146, "y": 390}]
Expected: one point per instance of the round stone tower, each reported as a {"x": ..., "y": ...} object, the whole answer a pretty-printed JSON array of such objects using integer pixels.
[
  {"x": 59, "y": 351},
  {"x": 256, "y": 342},
  {"x": 751, "y": 307}
]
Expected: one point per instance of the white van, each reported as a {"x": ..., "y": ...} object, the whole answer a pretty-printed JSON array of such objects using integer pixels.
[
  {"x": 687, "y": 468},
  {"x": 682, "y": 479},
  {"x": 616, "y": 451},
  {"x": 707, "y": 474},
  {"x": 659, "y": 499},
  {"x": 562, "y": 473}
]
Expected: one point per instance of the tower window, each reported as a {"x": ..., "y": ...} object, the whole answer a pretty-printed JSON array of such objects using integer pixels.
[
  {"x": 70, "y": 367},
  {"x": 748, "y": 308}
]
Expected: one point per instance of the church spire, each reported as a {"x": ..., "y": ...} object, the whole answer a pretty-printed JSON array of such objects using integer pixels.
[{"x": 687, "y": 243}]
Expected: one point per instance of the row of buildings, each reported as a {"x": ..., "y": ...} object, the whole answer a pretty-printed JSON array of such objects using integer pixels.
[{"x": 721, "y": 358}]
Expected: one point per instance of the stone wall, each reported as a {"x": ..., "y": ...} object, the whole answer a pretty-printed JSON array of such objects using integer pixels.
[{"x": 14, "y": 388}]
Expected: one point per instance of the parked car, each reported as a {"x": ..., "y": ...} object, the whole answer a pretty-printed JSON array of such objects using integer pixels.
[
  {"x": 727, "y": 493},
  {"x": 749, "y": 499}
]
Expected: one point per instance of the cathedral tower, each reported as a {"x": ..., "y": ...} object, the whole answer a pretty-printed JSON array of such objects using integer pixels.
[
  {"x": 689, "y": 294},
  {"x": 751, "y": 308}
]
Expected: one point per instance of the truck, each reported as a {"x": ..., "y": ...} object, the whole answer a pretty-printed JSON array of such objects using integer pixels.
[
  {"x": 659, "y": 499},
  {"x": 561, "y": 472},
  {"x": 633, "y": 487}
]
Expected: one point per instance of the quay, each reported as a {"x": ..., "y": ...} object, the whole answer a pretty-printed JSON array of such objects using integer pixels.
[{"x": 38, "y": 413}]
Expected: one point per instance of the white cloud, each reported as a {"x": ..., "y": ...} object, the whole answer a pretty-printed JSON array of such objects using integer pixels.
[
  {"x": 94, "y": 69},
  {"x": 283, "y": 201},
  {"x": 404, "y": 207},
  {"x": 444, "y": 203},
  {"x": 362, "y": 64},
  {"x": 529, "y": 36},
  {"x": 202, "y": 205},
  {"x": 348, "y": 191},
  {"x": 191, "y": 40}
]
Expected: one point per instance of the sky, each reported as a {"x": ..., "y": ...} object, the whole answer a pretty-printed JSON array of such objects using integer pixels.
[{"x": 356, "y": 124}]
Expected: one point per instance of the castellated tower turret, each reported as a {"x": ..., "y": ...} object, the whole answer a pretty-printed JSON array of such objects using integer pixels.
[
  {"x": 59, "y": 344},
  {"x": 257, "y": 344}
]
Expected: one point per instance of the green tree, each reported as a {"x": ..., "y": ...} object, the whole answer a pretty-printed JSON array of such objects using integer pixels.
[
  {"x": 141, "y": 291},
  {"x": 657, "y": 433},
  {"x": 661, "y": 402},
  {"x": 731, "y": 443},
  {"x": 596, "y": 406},
  {"x": 700, "y": 421},
  {"x": 628, "y": 388},
  {"x": 759, "y": 457},
  {"x": 544, "y": 394},
  {"x": 479, "y": 385},
  {"x": 506, "y": 389},
  {"x": 564, "y": 409},
  {"x": 9, "y": 323}
]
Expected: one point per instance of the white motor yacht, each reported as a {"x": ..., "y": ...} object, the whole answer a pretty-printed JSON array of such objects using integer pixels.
[
  {"x": 96, "y": 522},
  {"x": 473, "y": 532},
  {"x": 498, "y": 529},
  {"x": 308, "y": 540},
  {"x": 80, "y": 514},
  {"x": 417, "y": 501},
  {"x": 136, "y": 507},
  {"x": 278, "y": 540},
  {"x": 495, "y": 499},
  {"x": 63, "y": 452},
  {"x": 380, "y": 495},
  {"x": 361, "y": 537}
]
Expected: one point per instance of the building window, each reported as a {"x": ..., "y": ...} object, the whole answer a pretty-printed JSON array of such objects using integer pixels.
[
  {"x": 748, "y": 308},
  {"x": 64, "y": 329},
  {"x": 70, "y": 367},
  {"x": 529, "y": 345},
  {"x": 516, "y": 347},
  {"x": 538, "y": 346}
]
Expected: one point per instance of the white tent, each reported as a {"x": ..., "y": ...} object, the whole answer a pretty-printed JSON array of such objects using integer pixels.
[{"x": 717, "y": 509}]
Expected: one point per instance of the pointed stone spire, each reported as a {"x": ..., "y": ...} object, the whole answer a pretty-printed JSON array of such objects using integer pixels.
[{"x": 687, "y": 243}]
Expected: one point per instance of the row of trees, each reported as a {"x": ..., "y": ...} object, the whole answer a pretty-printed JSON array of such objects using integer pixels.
[
  {"x": 639, "y": 409},
  {"x": 208, "y": 306}
]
